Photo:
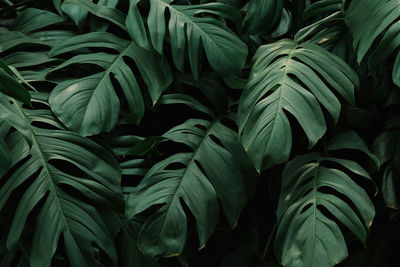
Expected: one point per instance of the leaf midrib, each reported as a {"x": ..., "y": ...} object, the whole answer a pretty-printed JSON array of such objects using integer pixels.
[
  {"x": 106, "y": 73},
  {"x": 44, "y": 163},
  {"x": 186, "y": 169},
  {"x": 279, "y": 106},
  {"x": 315, "y": 188},
  {"x": 187, "y": 19}
]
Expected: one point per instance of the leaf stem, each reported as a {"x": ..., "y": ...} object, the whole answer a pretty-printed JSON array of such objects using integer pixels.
[{"x": 271, "y": 234}]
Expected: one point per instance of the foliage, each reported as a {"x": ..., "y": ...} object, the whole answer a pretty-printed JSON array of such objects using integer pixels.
[{"x": 199, "y": 133}]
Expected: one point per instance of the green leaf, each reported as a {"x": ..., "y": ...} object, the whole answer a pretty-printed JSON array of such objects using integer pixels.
[
  {"x": 135, "y": 25},
  {"x": 90, "y": 105},
  {"x": 144, "y": 146},
  {"x": 350, "y": 140},
  {"x": 198, "y": 181},
  {"x": 293, "y": 78},
  {"x": 78, "y": 10},
  {"x": 5, "y": 158},
  {"x": 125, "y": 235},
  {"x": 225, "y": 52},
  {"x": 186, "y": 100},
  {"x": 53, "y": 37},
  {"x": 367, "y": 19},
  {"x": 130, "y": 254},
  {"x": 307, "y": 236},
  {"x": 28, "y": 59},
  {"x": 386, "y": 147},
  {"x": 323, "y": 7},
  {"x": 32, "y": 19},
  {"x": 10, "y": 86},
  {"x": 329, "y": 29},
  {"x": 213, "y": 89},
  {"x": 262, "y": 16},
  {"x": 95, "y": 175},
  {"x": 13, "y": 39}
]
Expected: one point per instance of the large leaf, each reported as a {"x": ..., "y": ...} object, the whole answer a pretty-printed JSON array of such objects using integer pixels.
[
  {"x": 294, "y": 78},
  {"x": 199, "y": 180},
  {"x": 41, "y": 158},
  {"x": 189, "y": 30},
  {"x": 307, "y": 236},
  {"x": 367, "y": 19},
  {"x": 90, "y": 105}
]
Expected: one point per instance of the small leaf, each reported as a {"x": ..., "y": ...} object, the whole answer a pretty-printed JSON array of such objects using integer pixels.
[
  {"x": 11, "y": 87},
  {"x": 350, "y": 140},
  {"x": 145, "y": 146}
]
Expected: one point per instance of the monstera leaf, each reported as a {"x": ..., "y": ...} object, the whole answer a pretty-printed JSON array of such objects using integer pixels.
[
  {"x": 27, "y": 44},
  {"x": 369, "y": 20},
  {"x": 328, "y": 27},
  {"x": 10, "y": 86},
  {"x": 32, "y": 19},
  {"x": 79, "y": 15},
  {"x": 294, "y": 78},
  {"x": 190, "y": 30},
  {"x": 46, "y": 163},
  {"x": 13, "y": 39},
  {"x": 374, "y": 17},
  {"x": 387, "y": 147},
  {"x": 262, "y": 16},
  {"x": 197, "y": 181},
  {"x": 307, "y": 236},
  {"x": 90, "y": 105}
]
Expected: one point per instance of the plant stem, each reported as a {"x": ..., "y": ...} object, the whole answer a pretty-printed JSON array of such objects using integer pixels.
[{"x": 271, "y": 235}]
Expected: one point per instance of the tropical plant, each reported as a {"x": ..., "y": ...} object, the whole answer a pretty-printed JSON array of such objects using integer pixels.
[{"x": 199, "y": 133}]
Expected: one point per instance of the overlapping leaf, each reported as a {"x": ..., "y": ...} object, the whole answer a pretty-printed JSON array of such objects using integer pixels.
[
  {"x": 367, "y": 19},
  {"x": 79, "y": 15},
  {"x": 32, "y": 19},
  {"x": 200, "y": 181},
  {"x": 376, "y": 20},
  {"x": 294, "y": 78},
  {"x": 189, "y": 30},
  {"x": 35, "y": 152},
  {"x": 90, "y": 105},
  {"x": 387, "y": 147},
  {"x": 306, "y": 235},
  {"x": 262, "y": 16},
  {"x": 10, "y": 86},
  {"x": 26, "y": 47},
  {"x": 328, "y": 28}
]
